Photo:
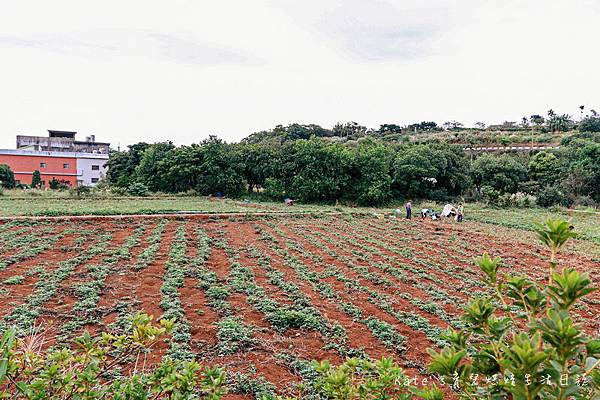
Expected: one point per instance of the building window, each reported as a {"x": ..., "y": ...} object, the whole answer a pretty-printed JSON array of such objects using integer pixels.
[
  {"x": 65, "y": 166},
  {"x": 95, "y": 168},
  {"x": 42, "y": 165},
  {"x": 94, "y": 180}
]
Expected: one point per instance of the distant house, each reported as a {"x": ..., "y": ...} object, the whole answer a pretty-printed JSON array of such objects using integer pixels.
[{"x": 58, "y": 156}]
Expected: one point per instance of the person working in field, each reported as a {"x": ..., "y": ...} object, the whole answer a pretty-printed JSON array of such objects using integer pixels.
[
  {"x": 408, "y": 206},
  {"x": 460, "y": 213}
]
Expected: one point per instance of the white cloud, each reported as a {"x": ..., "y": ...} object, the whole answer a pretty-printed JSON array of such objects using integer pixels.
[
  {"x": 181, "y": 70},
  {"x": 182, "y": 47}
]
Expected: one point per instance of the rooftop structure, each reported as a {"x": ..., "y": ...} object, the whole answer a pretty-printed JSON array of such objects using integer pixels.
[{"x": 62, "y": 141}]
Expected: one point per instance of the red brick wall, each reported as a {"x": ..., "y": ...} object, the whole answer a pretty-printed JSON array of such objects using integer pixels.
[{"x": 23, "y": 167}]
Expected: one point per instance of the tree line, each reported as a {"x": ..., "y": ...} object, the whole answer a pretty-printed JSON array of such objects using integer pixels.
[
  {"x": 367, "y": 172},
  {"x": 312, "y": 164},
  {"x": 553, "y": 122}
]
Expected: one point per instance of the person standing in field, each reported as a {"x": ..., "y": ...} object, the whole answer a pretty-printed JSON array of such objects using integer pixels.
[
  {"x": 408, "y": 210},
  {"x": 460, "y": 213}
]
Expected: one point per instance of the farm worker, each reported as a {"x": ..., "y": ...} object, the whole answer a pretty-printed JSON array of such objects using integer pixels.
[
  {"x": 425, "y": 212},
  {"x": 408, "y": 210},
  {"x": 460, "y": 213}
]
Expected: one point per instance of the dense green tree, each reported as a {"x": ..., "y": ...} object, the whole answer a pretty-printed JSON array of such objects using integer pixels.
[
  {"x": 56, "y": 184},
  {"x": 537, "y": 119},
  {"x": 298, "y": 131},
  {"x": 430, "y": 169},
  {"x": 36, "y": 180},
  {"x": 389, "y": 128},
  {"x": 281, "y": 134},
  {"x": 220, "y": 169},
  {"x": 452, "y": 125},
  {"x": 426, "y": 126},
  {"x": 303, "y": 162},
  {"x": 180, "y": 171},
  {"x": 588, "y": 159},
  {"x": 579, "y": 156},
  {"x": 502, "y": 172},
  {"x": 349, "y": 129},
  {"x": 122, "y": 164},
  {"x": 552, "y": 195},
  {"x": 371, "y": 181},
  {"x": 590, "y": 124},
  {"x": 210, "y": 167},
  {"x": 7, "y": 177},
  {"x": 119, "y": 171},
  {"x": 559, "y": 123},
  {"x": 544, "y": 168},
  {"x": 321, "y": 170},
  {"x": 259, "y": 163},
  {"x": 148, "y": 170}
]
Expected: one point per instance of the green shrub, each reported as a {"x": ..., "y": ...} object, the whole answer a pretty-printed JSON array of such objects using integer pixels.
[
  {"x": 87, "y": 370},
  {"x": 36, "y": 180},
  {"x": 590, "y": 124},
  {"x": 274, "y": 189},
  {"x": 521, "y": 336},
  {"x": 490, "y": 195},
  {"x": 80, "y": 191},
  {"x": 7, "y": 177},
  {"x": 138, "y": 189},
  {"x": 585, "y": 201},
  {"x": 552, "y": 196},
  {"x": 56, "y": 184}
]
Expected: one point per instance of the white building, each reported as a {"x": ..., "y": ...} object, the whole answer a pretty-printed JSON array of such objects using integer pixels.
[{"x": 91, "y": 168}]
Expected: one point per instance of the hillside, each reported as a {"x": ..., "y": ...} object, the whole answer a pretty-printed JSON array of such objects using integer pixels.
[{"x": 352, "y": 132}]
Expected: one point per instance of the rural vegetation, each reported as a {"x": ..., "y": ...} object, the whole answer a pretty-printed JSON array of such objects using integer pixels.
[
  {"x": 358, "y": 166},
  {"x": 245, "y": 304},
  {"x": 354, "y": 165}
]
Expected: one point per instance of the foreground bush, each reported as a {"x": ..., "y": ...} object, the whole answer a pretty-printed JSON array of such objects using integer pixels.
[
  {"x": 521, "y": 341},
  {"x": 89, "y": 369}
]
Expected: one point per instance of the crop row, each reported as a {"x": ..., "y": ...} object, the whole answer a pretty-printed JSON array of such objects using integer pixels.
[{"x": 24, "y": 316}]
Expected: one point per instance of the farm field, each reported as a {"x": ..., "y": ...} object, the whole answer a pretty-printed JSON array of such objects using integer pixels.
[
  {"x": 57, "y": 206},
  {"x": 262, "y": 296}
]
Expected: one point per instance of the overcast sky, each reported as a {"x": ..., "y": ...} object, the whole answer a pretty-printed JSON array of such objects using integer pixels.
[{"x": 129, "y": 71}]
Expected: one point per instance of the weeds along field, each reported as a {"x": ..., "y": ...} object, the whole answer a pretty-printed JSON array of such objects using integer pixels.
[{"x": 262, "y": 296}]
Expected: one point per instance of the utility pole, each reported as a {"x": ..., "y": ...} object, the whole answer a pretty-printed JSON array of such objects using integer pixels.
[{"x": 532, "y": 125}]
